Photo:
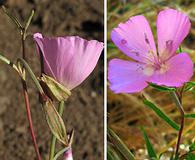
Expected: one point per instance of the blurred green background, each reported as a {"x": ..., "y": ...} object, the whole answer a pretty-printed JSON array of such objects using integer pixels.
[{"x": 126, "y": 112}]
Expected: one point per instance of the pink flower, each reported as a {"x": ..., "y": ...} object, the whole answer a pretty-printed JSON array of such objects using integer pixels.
[
  {"x": 69, "y": 60},
  {"x": 68, "y": 155},
  {"x": 165, "y": 67}
]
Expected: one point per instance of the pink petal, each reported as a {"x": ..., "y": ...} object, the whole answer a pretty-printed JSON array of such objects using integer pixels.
[
  {"x": 68, "y": 154},
  {"x": 69, "y": 60},
  {"x": 180, "y": 70},
  {"x": 126, "y": 76},
  {"x": 172, "y": 27},
  {"x": 135, "y": 39},
  {"x": 42, "y": 47}
]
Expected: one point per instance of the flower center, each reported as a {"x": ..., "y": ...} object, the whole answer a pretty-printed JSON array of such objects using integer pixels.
[
  {"x": 163, "y": 68},
  {"x": 160, "y": 67},
  {"x": 149, "y": 70}
]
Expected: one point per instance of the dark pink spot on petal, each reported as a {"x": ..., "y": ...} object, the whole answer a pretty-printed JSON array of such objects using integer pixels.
[
  {"x": 169, "y": 45},
  {"x": 123, "y": 41},
  {"x": 136, "y": 53},
  {"x": 146, "y": 38}
]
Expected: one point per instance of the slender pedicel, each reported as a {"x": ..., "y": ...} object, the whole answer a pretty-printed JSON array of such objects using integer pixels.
[
  {"x": 28, "y": 105},
  {"x": 181, "y": 110}
]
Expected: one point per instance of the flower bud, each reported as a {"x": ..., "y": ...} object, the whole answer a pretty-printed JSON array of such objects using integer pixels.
[
  {"x": 55, "y": 122},
  {"x": 68, "y": 154},
  {"x": 53, "y": 89}
]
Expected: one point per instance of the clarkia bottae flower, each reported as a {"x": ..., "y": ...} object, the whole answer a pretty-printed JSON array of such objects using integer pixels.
[
  {"x": 68, "y": 155},
  {"x": 69, "y": 60},
  {"x": 162, "y": 67}
]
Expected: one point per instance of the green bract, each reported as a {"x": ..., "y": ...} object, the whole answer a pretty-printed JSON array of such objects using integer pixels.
[{"x": 54, "y": 90}]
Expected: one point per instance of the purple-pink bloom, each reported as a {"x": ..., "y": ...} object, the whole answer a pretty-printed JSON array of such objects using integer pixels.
[
  {"x": 69, "y": 59},
  {"x": 162, "y": 67},
  {"x": 68, "y": 154}
]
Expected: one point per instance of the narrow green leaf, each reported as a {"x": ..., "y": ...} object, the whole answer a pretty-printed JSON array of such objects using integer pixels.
[
  {"x": 12, "y": 17},
  {"x": 59, "y": 153},
  {"x": 29, "y": 20},
  {"x": 112, "y": 154},
  {"x": 192, "y": 147},
  {"x": 119, "y": 144},
  {"x": 7, "y": 61},
  {"x": 150, "y": 149},
  {"x": 172, "y": 156},
  {"x": 189, "y": 115},
  {"x": 176, "y": 157},
  {"x": 161, "y": 114},
  {"x": 189, "y": 86},
  {"x": 162, "y": 88},
  {"x": 190, "y": 156}
]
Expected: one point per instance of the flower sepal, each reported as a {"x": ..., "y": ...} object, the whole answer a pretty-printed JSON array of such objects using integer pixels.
[
  {"x": 53, "y": 89},
  {"x": 55, "y": 122}
]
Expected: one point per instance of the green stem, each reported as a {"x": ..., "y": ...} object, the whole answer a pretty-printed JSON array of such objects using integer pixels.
[
  {"x": 53, "y": 138},
  {"x": 7, "y": 61},
  {"x": 28, "y": 69},
  {"x": 179, "y": 105},
  {"x": 26, "y": 96},
  {"x": 32, "y": 75},
  {"x": 13, "y": 18},
  {"x": 28, "y": 22}
]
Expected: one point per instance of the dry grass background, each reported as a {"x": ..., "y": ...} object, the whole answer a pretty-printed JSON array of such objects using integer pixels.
[{"x": 126, "y": 112}]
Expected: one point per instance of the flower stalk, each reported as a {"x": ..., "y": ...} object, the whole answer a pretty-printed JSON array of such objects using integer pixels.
[
  {"x": 28, "y": 113},
  {"x": 182, "y": 113},
  {"x": 27, "y": 104},
  {"x": 53, "y": 138},
  {"x": 32, "y": 75},
  {"x": 23, "y": 31},
  {"x": 25, "y": 91}
]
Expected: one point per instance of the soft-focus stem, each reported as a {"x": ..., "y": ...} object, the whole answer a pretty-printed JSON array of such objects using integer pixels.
[
  {"x": 53, "y": 138},
  {"x": 179, "y": 105},
  {"x": 28, "y": 107}
]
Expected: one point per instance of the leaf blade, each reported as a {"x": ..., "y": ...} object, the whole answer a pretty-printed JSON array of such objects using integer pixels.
[
  {"x": 111, "y": 154},
  {"x": 161, "y": 114},
  {"x": 150, "y": 149},
  {"x": 189, "y": 115},
  {"x": 119, "y": 144},
  {"x": 162, "y": 88}
]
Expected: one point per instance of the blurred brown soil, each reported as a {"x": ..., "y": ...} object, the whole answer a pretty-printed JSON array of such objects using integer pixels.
[{"x": 83, "y": 111}]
